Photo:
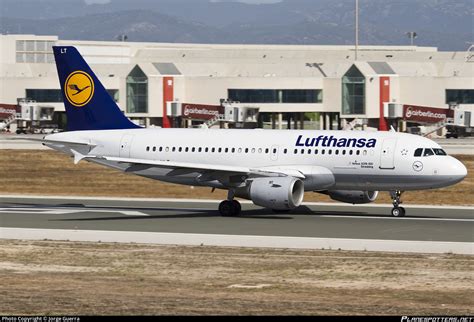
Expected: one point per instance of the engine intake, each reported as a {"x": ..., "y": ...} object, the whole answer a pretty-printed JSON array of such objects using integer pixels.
[
  {"x": 280, "y": 193},
  {"x": 353, "y": 196}
]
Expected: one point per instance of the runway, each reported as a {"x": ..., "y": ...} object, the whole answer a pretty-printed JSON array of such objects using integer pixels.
[{"x": 426, "y": 229}]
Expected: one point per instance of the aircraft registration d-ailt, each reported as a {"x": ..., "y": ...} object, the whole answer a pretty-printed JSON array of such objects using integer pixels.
[{"x": 272, "y": 168}]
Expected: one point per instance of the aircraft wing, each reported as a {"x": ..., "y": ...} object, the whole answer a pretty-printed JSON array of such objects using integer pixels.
[{"x": 187, "y": 167}]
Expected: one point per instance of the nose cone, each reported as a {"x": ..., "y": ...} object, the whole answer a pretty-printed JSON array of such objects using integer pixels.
[{"x": 455, "y": 170}]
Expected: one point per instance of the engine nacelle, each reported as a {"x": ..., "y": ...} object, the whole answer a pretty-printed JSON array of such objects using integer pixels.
[
  {"x": 280, "y": 193},
  {"x": 353, "y": 196}
]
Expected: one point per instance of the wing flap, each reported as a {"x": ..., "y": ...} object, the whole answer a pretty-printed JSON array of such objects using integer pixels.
[{"x": 187, "y": 167}]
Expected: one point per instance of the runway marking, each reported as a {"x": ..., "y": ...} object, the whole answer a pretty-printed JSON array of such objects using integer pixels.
[
  {"x": 67, "y": 211},
  {"x": 214, "y": 201},
  {"x": 397, "y": 218},
  {"x": 62, "y": 211}
]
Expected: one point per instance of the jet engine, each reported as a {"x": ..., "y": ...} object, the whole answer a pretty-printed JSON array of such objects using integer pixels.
[
  {"x": 353, "y": 196},
  {"x": 279, "y": 193}
]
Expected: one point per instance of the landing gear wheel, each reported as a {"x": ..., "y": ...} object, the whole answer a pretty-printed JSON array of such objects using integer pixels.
[
  {"x": 398, "y": 212},
  {"x": 237, "y": 207},
  {"x": 229, "y": 208}
]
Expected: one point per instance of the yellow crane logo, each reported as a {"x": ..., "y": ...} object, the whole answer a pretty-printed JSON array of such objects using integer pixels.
[{"x": 79, "y": 88}]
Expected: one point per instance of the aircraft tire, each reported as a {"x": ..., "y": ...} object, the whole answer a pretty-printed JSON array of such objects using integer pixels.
[
  {"x": 237, "y": 207},
  {"x": 398, "y": 212},
  {"x": 229, "y": 208}
]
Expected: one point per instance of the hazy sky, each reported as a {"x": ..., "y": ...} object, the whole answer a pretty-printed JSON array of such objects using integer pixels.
[{"x": 245, "y": 1}]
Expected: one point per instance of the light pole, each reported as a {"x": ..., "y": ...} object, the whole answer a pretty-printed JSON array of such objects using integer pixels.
[
  {"x": 412, "y": 35},
  {"x": 356, "y": 27}
]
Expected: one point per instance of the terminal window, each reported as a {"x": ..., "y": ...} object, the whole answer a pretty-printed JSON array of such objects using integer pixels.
[
  {"x": 460, "y": 96},
  {"x": 275, "y": 95},
  {"x": 44, "y": 95},
  {"x": 353, "y": 92},
  {"x": 55, "y": 95},
  {"x": 137, "y": 91},
  {"x": 34, "y": 51}
]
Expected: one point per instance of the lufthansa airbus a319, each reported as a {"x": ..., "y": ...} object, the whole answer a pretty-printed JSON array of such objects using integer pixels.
[{"x": 272, "y": 168}]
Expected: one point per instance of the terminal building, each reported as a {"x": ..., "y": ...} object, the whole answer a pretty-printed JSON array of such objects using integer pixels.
[{"x": 272, "y": 86}]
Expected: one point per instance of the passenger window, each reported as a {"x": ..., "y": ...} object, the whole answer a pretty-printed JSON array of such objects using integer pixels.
[
  {"x": 180, "y": 149},
  {"x": 213, "y": 150},
  {"x": 246, "y": 150},
  {"x": 259, "y": 150},
  {"x": 418, "y": 152},
  {"x": 173, "y": 149},
  {"x": 240, "y": 150},
  {"x": 167, "y": 149},
  {"x": 316, "y": 151},
  {"x": 285, "y": 151},
  {"x": 365, "y": 152},
  {"x": 428, "y": 152},
  {"x": 253, "y": 150},
  {"x": 274, "y": 151},
  {"x": 233, "y": 150},
  {"x": 302, "y": 151},
  {"x": 343, "y": 152},
  {"x": 350, "y": 152},
  {"x": 323, "y": 151},
  {"x": 309, "y": 151},
  {"x": 267, "y": 150},
  {"x": 226, "y": 150},
  {"x": 193, "y": 149},
  {"x": 296, "y": 151},
  {"x": 219, "y": 150},
  {"x": 186, "y": 149},
  {"x": 336, "y": 152},
  {"x": 329, "y": 151},
  {"x": 358, "y": 152},
  {"x": 206, "y": 150},
  {"x": 161, "y": 148},
  {"x": 148, "y": 148},
  {"x": 439, "y": 152},
  {"x": 154, "y": 148}
]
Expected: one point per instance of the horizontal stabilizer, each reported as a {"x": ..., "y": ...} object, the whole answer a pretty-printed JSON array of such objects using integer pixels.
[{"x": 46, "y": 141}]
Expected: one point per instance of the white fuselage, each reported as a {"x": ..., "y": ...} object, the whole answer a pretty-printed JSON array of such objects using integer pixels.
[{"x": 357, "y": 160}]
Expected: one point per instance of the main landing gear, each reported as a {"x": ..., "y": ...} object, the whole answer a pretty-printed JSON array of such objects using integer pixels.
[
  {"x": 397, "y": 211},
  {"x": 230, "y": 207}
]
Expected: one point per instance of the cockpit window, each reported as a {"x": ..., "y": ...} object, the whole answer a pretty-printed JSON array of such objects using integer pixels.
[
  {"x": 428, "y": 152},
  {"x": 418, "y": 152},
  {"x": 439, "y": 152}
]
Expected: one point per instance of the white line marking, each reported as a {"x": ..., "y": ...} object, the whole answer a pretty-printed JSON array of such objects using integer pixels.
[
  {"x": 412, "y": 246},
  {"x": 396, "y": 218},
  {"x": 333, "y": 204},
  {"x": 62, "y": 211}
]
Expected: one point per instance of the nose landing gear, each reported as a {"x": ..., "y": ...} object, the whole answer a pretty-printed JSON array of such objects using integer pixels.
[
  {"x": 397, "y": 211},
  {"x": 230, "y": 207}
]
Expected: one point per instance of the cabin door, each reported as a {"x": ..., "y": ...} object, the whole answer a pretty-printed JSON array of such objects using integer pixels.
[
  {"x": 387, "y": 155},
  {"x": 125, "y": 145}
]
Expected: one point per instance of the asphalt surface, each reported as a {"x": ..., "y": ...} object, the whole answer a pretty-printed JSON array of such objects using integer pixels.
[{"x": 313, "y": 220}]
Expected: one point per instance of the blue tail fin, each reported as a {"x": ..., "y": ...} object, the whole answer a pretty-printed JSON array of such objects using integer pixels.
[{"x": 88, "y": 105}]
